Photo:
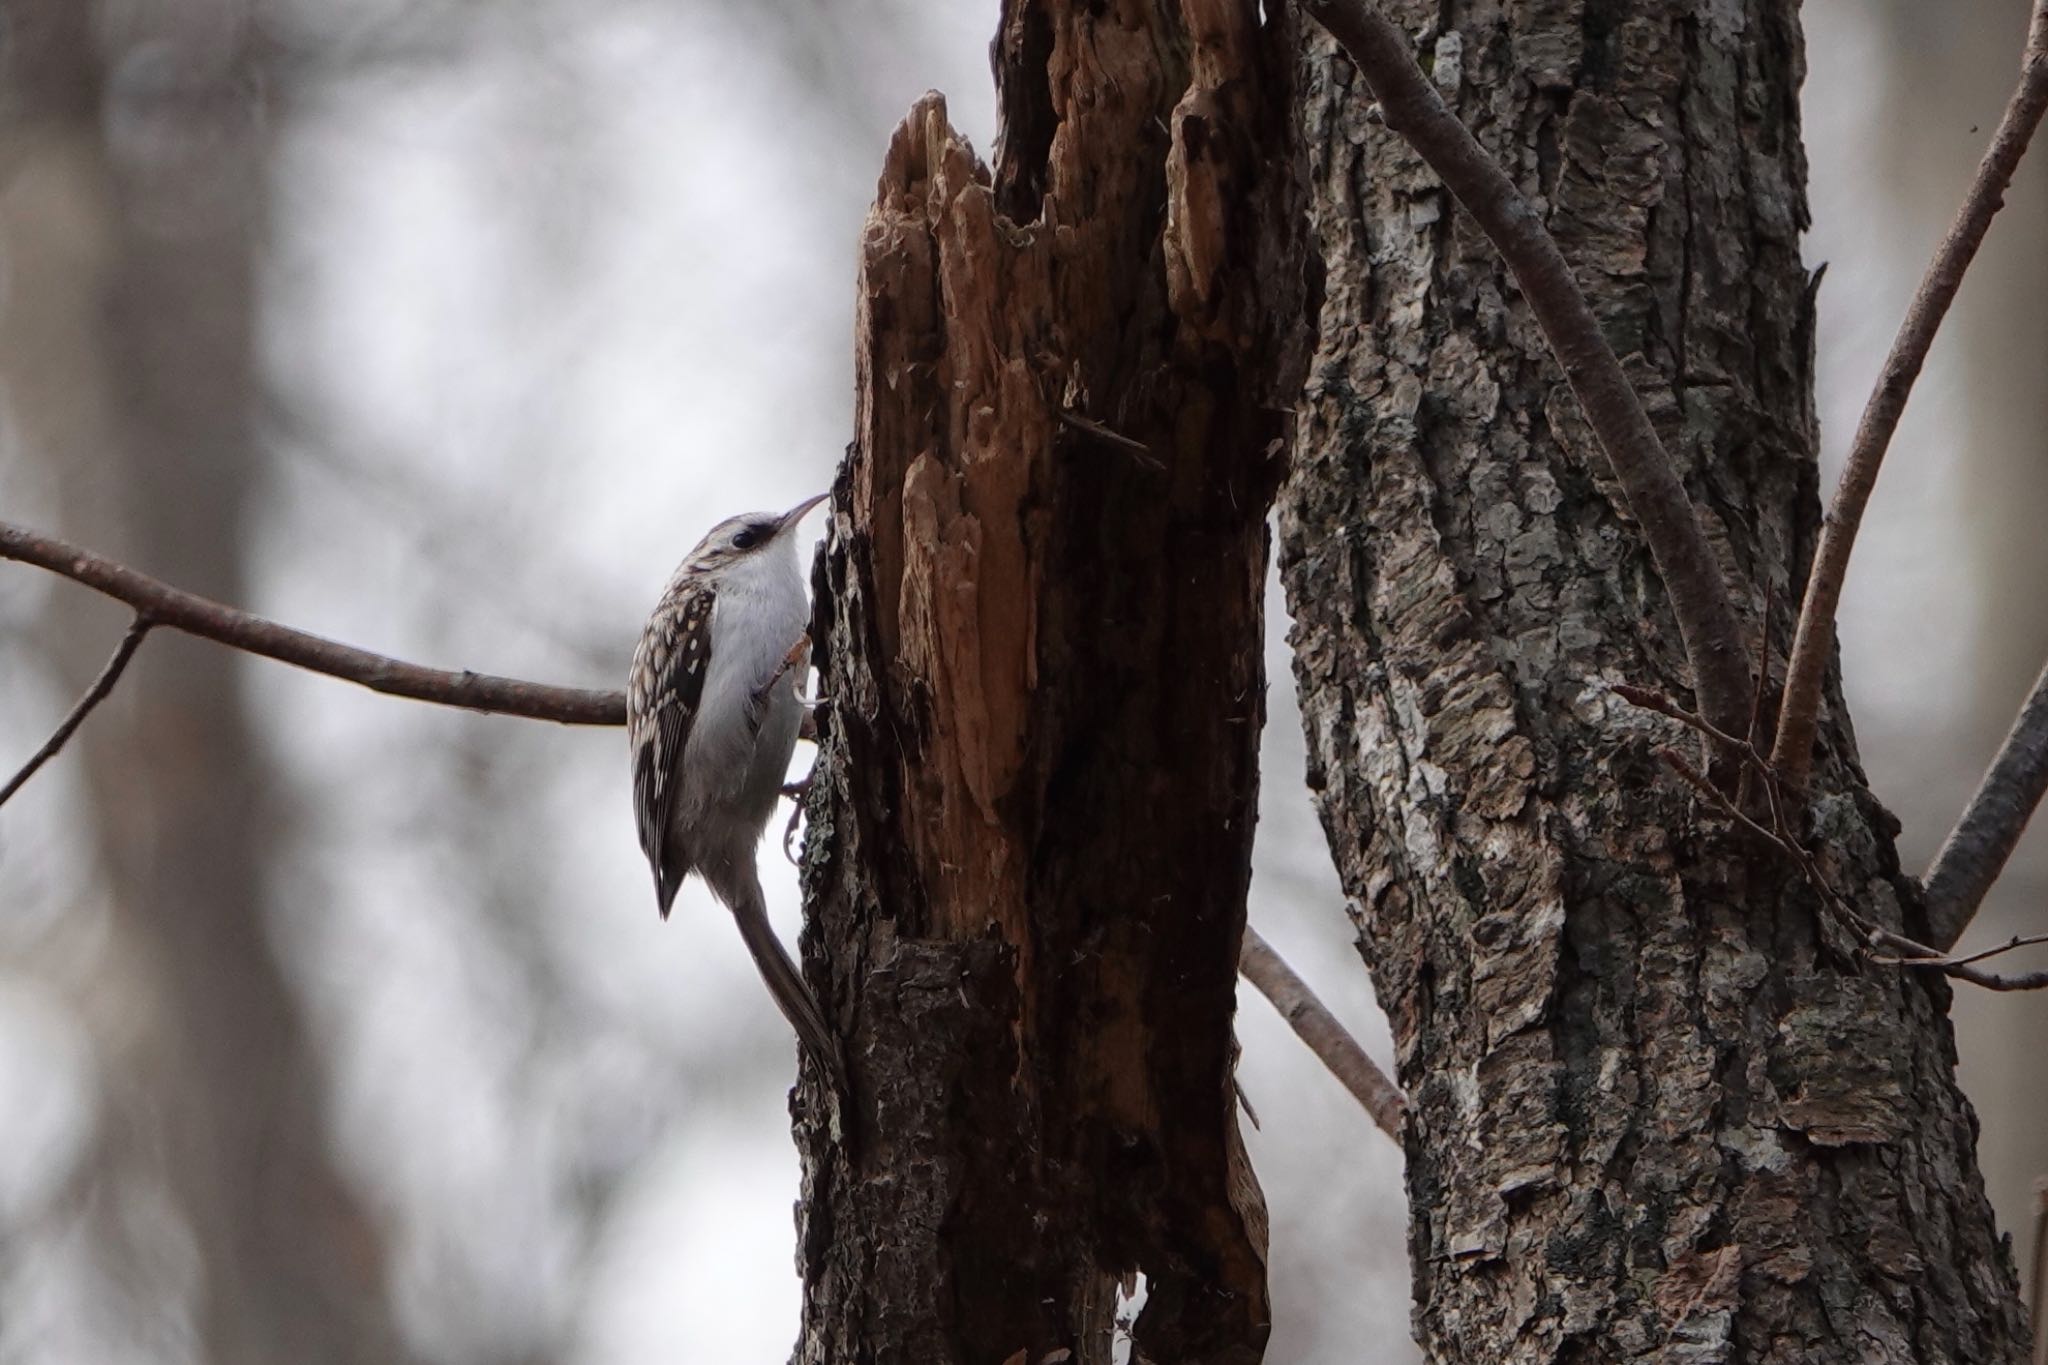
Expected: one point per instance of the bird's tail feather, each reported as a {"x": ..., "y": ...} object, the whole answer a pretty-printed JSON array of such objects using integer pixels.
[{"x": 786, "y": 984}]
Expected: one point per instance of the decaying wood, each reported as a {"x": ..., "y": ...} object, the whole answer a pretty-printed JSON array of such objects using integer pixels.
[
  {"x": 1040, "y": 632},
  {"x": 1655, "y": 1112}
]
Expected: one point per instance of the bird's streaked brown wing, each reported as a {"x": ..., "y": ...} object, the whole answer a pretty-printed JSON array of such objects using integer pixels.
[{"x": 662, "y": 697}]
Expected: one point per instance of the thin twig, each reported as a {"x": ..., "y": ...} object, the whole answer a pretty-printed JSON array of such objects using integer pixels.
[
  {"x": 1761, "y": 672},
  {"x": 1814, "y": 642},
  {"x": 1977, "y": 976},
  {"x": 168, "y": 606},
  {"x": 1872, "y": 936},
  {"x": 94, "y": 695},
  {"x": 1656, "y": 497},
  {"x": 1652, "y": 700},
  {"x": 1130, "y": 445},
  {"x": 1939, "y": 960},
  {"x": 1698, "y": 782},
  {"x": 1975, "y": 851},
  {"x": 1313, "y": 1023},
  {"x": 1910, "y": 952}
]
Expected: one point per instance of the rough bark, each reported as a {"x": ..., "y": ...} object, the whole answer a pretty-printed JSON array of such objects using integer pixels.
[
  {"x": 134, "y": 208},
  {"x": 1040, "y": 626},
  {"x": 1655, "y": 1111}
]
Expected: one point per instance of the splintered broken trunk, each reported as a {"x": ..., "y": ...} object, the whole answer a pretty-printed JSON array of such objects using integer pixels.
[
  {"x": 1040, "y": 639},
  {"x": 1655, "y": 1113}
]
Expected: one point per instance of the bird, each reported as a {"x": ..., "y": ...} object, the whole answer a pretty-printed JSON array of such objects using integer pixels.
[{"x": 712, "y": 714}]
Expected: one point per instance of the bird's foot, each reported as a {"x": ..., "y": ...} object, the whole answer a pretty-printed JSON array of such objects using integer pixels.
[
  {"x": 798, "y": 657},
  {"x": 799, "y": 654},
  {"x": 795, "y": 791}
]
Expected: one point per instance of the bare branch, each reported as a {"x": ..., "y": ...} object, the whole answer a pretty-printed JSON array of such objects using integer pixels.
[
  {"x": 1656, "y": 496},
  {"x": 1137, "y": 450},
  {"x": 1975, "y": 851},
  {"x": 94, "y": 695},
  {"x": 1814, "y": 643},
  {"x": 1993, "y": 981},
  {"x": 1721, "y": 802},
  {"x": 1915, "y": 954},
  {"x": 2016, "y": 941},
  {"x": 1313, "y": 1023},
  {"x": 1922, "y": 958},
  {"x": 1651, "y": 700},
  {"x": 1910, "y": 953},
  {"x": 164, "y": 605}
]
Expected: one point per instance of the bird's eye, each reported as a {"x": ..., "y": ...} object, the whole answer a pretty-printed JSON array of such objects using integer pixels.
[{"x": 745, "y": 538}]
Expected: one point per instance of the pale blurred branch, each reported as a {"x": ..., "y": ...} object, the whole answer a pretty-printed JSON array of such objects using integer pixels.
[
  {"x": 1813, "y": 644},
  {"x": 94, "y": 695},
  {"x": 1656, "y": 496},
  {"x": 1313, "y": 1023},
  {"x": 1975, "y": 851},
  {"x": 164, "y": 605}
]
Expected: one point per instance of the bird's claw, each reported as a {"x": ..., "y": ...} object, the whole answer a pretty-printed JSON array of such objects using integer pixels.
[
  {"x": 798, "y": 654},
  {"x": 795, "y": 791}
]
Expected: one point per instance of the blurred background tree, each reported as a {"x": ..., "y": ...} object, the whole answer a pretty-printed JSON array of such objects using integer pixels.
[
  {"x": 335, "y": 1028},
  {"x": 138, "y": 203}
]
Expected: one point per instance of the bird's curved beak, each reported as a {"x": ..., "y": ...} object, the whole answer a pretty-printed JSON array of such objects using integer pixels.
[{"x": 796, "y": 513}]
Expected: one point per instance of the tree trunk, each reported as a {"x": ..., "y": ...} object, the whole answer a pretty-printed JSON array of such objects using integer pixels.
[
  {"x": 1040, "y": 627},
  {"x": 1655, "y": 1109}
]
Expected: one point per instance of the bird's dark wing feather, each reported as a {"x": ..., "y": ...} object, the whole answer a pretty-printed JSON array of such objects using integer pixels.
[{"x": 662, "y": 698}]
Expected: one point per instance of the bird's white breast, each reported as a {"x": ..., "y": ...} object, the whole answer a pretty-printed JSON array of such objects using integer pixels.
[{"x": 733, "y": 760}]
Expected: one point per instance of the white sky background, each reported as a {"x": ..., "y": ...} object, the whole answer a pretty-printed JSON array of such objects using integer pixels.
[{"x": 544, "y": 304}]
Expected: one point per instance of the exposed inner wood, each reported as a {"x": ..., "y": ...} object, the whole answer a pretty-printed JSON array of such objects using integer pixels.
[{"x": 1041, "y": 636}]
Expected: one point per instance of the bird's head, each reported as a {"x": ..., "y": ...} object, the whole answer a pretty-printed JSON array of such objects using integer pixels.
[{"x": 752, "y": 535}]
